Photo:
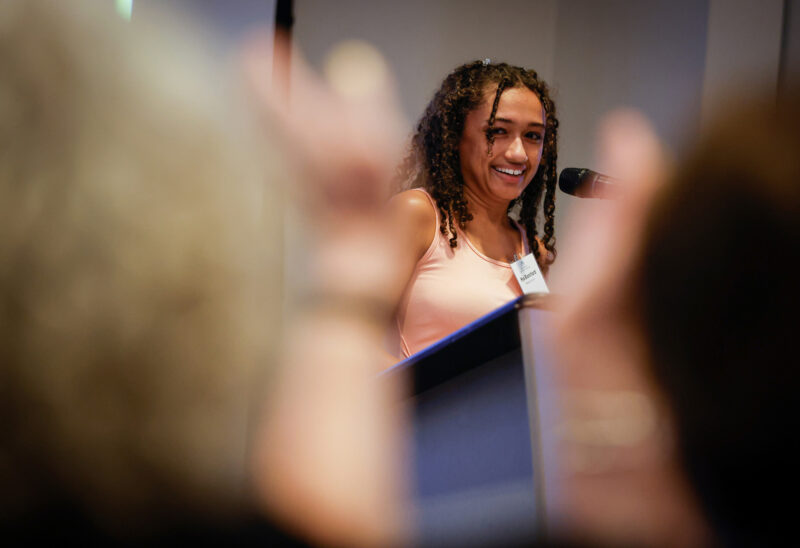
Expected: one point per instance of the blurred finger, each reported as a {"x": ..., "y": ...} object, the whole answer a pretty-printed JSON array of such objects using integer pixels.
[{"x": 628, "y": 149}]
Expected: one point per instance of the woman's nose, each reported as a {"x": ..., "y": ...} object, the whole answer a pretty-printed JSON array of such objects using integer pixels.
[{"x": 516, "y": 152}]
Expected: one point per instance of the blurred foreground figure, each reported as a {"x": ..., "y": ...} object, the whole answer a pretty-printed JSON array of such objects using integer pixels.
[
  {"x": 140, "y": 299},
  {"x": 718, "y": 297},
  {"x": 676, "y": 344}
]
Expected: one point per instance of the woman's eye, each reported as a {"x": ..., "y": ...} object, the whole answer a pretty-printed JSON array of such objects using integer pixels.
[
  {"x": 495, "y": 131},
  {"x": 534, "y": 136}
]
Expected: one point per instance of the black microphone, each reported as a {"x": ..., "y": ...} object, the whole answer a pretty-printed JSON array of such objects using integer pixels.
[{"x": 585, "y": 183}]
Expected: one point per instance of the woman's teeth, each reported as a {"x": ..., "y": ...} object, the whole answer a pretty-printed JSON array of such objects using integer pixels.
[{"x": 507, "y": 171}]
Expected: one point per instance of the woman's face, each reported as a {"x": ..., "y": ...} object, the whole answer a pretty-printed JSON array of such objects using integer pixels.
[{"x": 518, "y": 134}]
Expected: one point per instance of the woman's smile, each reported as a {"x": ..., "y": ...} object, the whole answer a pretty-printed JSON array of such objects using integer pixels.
[{"x": 510, "y": 174}]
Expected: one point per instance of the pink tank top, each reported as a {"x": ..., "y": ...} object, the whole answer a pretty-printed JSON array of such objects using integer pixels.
[{"x": 451, "y": 288}]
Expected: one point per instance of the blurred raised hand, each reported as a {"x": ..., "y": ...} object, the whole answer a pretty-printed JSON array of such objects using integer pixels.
[
  {"x": 343, "y": 130},
  {"x": 620, "y": 479},
  {"x": 331, "y": 453}
]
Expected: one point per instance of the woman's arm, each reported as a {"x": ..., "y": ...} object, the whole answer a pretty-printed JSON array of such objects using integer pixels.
[{"x": 413, "y": 224}]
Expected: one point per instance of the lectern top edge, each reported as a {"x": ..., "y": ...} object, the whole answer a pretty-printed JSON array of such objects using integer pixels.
[{"x": 486, "y": 338}]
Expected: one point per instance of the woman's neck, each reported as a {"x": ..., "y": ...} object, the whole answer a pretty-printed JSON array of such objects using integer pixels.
[{"x": 491, "y": 212}]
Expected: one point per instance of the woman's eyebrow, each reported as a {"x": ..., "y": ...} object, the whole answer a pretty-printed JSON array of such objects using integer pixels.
[{"x": 509, "y": 121}]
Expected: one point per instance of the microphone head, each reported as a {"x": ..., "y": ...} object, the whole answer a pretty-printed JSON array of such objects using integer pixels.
[{"x": 570, "y": 179}]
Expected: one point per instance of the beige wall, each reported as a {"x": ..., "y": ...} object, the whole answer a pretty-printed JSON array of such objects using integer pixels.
[
  {"x": 424, "y": 39},
  {"x": 742, "y": 50}
]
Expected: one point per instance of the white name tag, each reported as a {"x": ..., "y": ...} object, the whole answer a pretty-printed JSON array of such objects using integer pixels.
[{"x": 529, "y": 276}]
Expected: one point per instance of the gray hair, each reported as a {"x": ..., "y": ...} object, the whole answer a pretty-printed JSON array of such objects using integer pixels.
[{"x": 140, "y": 261}]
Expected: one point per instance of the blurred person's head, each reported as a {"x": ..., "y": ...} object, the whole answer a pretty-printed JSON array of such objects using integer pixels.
[
  {"x": 139, "y": 294},
  {"x": 463, "y": 136},
  {"x": 683, "y": 291},
  {"x": 718, "y": 301}
]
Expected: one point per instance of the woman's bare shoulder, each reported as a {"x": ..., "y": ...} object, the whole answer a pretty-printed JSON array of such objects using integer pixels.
[
  {"x": 414, "y": 205},
  {"x": 413, "y": 215}
]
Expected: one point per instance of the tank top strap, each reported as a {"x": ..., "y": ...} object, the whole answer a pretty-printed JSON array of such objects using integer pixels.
[
  {"x": 431, "y": 200},
  {"x": 526, "y": 248}
]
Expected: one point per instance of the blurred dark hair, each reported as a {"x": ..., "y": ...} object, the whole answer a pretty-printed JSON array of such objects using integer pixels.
[
  {"x": 719, "y": 297},
  {"x": 434, "y": 163}
]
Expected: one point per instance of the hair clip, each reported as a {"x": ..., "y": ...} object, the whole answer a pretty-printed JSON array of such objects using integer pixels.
[{"x": 486, "y": 61}]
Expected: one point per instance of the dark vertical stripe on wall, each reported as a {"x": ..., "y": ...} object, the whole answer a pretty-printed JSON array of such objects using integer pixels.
[
  {"x": 284, "y": 20},
  {"x": 784, "y": 52},
  {"x": 284, "y": 15},
  {"x": 789, "y": 63}
]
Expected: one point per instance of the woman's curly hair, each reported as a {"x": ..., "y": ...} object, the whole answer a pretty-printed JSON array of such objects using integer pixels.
[{"x": 434, "y": 163}]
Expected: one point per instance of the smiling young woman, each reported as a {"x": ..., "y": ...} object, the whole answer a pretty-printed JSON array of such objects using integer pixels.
[{"x": 485, "y": 146}]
